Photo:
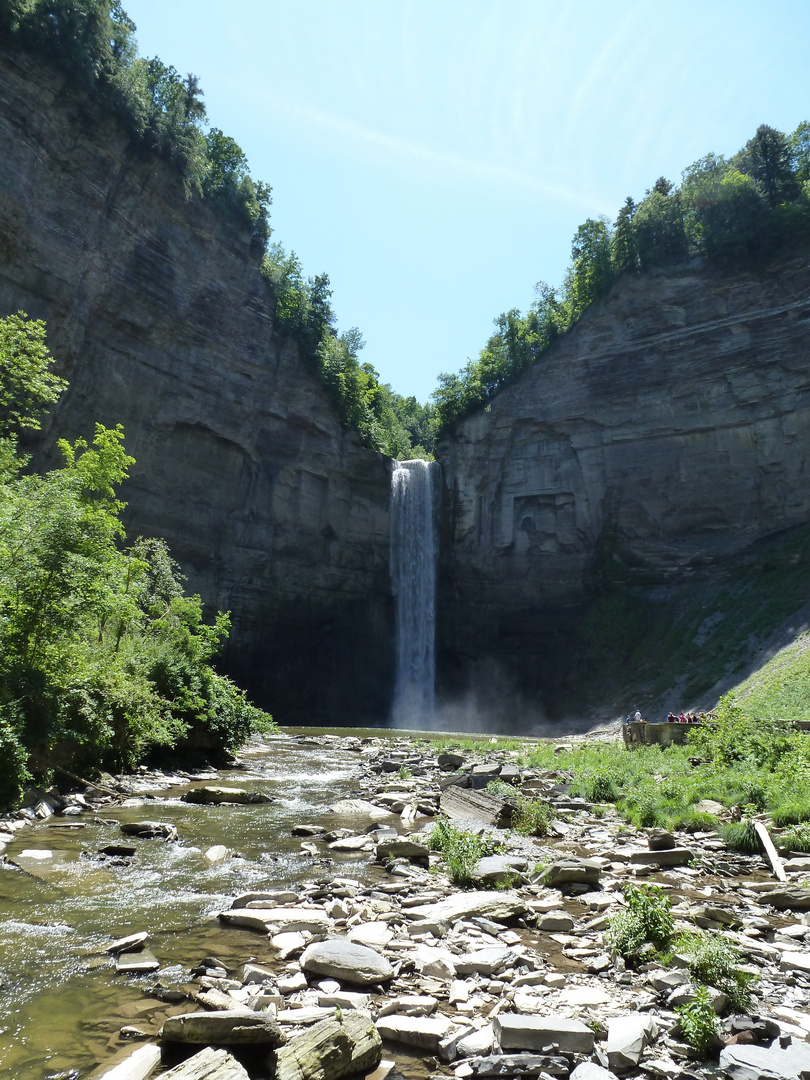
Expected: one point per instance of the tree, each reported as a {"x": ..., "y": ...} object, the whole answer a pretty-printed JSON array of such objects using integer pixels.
[
  {"x": 659, "y": 227},
  {"x": 767, "y": 158},
  {"x": 623, "y": 250},
  {"x": 800, "y": 152},
  {"x": 27, "y": 383},
  {"x": 592, "y": 269}
]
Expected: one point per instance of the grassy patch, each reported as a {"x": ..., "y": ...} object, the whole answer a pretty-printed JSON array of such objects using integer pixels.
[{"x": 460, "y": 849}]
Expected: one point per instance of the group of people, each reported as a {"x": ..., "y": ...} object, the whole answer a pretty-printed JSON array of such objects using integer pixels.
[{"x": 674, "y": 718}]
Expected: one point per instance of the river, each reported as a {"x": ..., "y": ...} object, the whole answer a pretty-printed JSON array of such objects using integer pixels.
[{"x": 63, "y": 1005}]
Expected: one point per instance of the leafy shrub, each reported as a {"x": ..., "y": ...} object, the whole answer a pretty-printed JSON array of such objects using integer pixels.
[
  {"x": 461, "y": 849},
  {"x": 713, "y": 962},
  {"x": 646, "y": 921},
  {"x": 534, "y": 817},
  {"x": 740, "y": 836},
  {"x": 698, "y": 1022}
]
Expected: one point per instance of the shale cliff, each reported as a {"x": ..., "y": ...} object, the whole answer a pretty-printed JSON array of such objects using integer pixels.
[
  {"x": 663, "y": 438},
  {"x": 161, "y": 321}
]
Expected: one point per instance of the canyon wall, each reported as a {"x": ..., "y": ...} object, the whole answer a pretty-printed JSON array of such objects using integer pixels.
[
  {"x": 667, "y": 433},
  {"x": 160, "y": 319}
]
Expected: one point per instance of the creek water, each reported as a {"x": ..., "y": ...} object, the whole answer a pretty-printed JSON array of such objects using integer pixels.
[{"x": 61, "y": 1003}]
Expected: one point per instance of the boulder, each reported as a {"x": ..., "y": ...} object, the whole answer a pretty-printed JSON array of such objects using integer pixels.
[
  {"x": 573, "y": 871},
  {"x": 788, "y": 897},
  {"x": 402, "y": 849},
  {"x": 499, "y": 869},
  {"x": 136, "y": 963},
  {"x": 149, "y": 830},
  {"x": 331, "y": 1049},
  {"x": 227, "y": 1028},
  {"x": 539, "y": 1032},
  {"x": 557, "y": 922},
  {"x": 795, "y": 961},
  {"x": 345, "y": 960},
  {"x": 627, "y": 1037},
  {"x": 131, "y": 943},
  {"x": 589, "y": 1070},
  {"x": 209, "y": 795},
  {"x": 277, "y": 920}
]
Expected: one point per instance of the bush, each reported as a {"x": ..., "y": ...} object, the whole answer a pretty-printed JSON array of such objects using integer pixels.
[
  {"x": 713, "y": 962},
  {"x": 797, "y": 838},
  {"x": 646, "y": 921},
  {"x": 698, "y": 1022},
  {"x": 461, "y": 849},
  {"x": 534, "y": 817},
  {"x": 791, "y": 813}
]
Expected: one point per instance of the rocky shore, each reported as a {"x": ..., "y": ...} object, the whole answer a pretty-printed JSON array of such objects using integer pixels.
[{"x": 397, "y": 971}]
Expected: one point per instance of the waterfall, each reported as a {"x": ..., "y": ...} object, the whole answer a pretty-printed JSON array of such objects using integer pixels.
[{"x": 414, "y": 552}]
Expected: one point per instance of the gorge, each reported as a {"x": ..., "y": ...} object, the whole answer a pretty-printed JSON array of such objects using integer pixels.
[{"x": 659, "y": 444}]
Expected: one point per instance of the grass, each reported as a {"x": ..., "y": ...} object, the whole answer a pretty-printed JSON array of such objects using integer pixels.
[
  {"x": 796, "y": 838},
  {"x": 740, "y": 836},
  {"x": 533, "y": 817}
]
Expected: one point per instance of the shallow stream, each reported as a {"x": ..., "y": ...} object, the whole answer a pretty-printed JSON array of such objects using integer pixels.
[{"x": 62, "y": 1003}]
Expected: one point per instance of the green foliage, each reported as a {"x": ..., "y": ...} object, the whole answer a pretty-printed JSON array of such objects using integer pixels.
[
  {"x": 740, "y": 836},
  {"x": 461, "y": 849},
  {"x": 792, "y": 812},
  {"x": 713, "y": 961},
  {"x": 27, "y": 384},
  {"x": 797, "y": 838},
  {"x": 698, "y": 1022},
  {"x": 534, "y": 817},
  {"x": 646, "y": 923},
  {"x": 103, "y": 659}
]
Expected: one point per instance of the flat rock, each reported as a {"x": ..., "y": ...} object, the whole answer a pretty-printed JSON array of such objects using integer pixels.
[
  {"x": 346, "y": 960},
  {"x": 766, "y": 1062},
  {"x": 673, "y": 856},
  {"x": 359, "y": 808},
  {"x": 559, "y": 922},
  {"x": 485, "y": 961},
  {"x": 589, "y": 1070},
  {"x": 422, "y": 1032},
  {"x": 136, "y": 963},
  {"x": 518, "y": 1065},
  {"x": 498, "y": 869},
  {"x": 149, "y": 830},
  {"x": 464, "y": 905},
  {"x": 788, "y": 897},
  {"x": 795, "y": 961},
  {"x": 226, "y": 1028},
  {"x": 538, "y": 1032},
  {"x": 208, "y": 1064},
  {"x": 277, "y": 920},
  {"x": 373, "y": 934},
  {"x": 140, "y": 1064},
  {"x": 127, "y": 944}
]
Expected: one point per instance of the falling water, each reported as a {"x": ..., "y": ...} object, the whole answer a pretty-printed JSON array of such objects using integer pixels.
[{"x": 414, "y": 552}]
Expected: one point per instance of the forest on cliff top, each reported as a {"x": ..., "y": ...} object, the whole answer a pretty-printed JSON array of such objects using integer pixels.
[{"x": 741, "y": 210}]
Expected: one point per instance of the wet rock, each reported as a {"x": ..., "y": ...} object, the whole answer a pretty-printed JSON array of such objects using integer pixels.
[
  {"x": 330, "y": 1050},
  {"x": 766, "y": 1063},
  {"x": 277, "y": 920},
  {"x": 227, "y": 1028},
  {"x": 121, "y": 851},
  {"x": 539, "y": 1032},
  {"x": 136, "y": 963},
  {"x": 127, "y": 944},
  {"x": 627, "y": 1038},
  {"x": 149, "y": 830},
  {"x": 359, "y": 808},
  {"x": 352, "y": 843},
  {"x": 211, "y": 795},
  {"x": 423, "y": 1032},
  {"x": 216, "y": 854},
  {"x": 140, "y": 1064},
  {"x": 271, "y": 898},
  {"x": 345, "y": 960},
  {"x": 307, "y": 830},
  {"x": 208, "y": 1064}
]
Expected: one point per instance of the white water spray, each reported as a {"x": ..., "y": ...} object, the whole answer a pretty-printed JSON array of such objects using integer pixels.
[{"x": 414, "y": 554}]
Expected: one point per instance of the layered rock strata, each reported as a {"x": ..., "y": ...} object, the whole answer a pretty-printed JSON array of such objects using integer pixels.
[
  {"x": 669, "y": 431},
  {"x": 161, "y": 321}
]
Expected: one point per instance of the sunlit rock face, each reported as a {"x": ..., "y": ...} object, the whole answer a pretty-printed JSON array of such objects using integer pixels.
[
  {"x": 669, "y": 431},
  {"x": 162, "y": 322}
]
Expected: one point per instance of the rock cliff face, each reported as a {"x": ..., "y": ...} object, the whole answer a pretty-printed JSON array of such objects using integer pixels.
[
  {"x": 161, "y": 321},
  {"x": 669, "y": 431}
]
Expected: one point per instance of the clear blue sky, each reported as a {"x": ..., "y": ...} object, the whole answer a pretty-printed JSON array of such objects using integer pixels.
[{"x": 435, "y": 157}]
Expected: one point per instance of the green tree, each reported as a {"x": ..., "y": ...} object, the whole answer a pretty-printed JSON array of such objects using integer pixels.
[
  {"x": 592, "y": 268},
  {"x": 767, "y": 158},
  {"x": 27, "y": 383},
  {"x": 659, "y": 227},
  {"x": 623, "y": 250}
]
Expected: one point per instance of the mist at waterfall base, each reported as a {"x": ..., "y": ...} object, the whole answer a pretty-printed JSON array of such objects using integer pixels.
[{"x": 492, "y": 704}]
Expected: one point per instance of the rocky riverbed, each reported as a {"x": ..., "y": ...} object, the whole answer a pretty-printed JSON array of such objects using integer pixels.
[{"x": 370, "y": 961}]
